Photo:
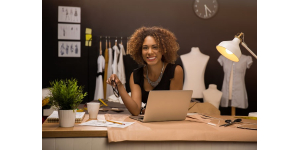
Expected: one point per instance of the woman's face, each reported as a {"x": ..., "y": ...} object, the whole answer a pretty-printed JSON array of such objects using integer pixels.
[{"x": 150, "y": 51}]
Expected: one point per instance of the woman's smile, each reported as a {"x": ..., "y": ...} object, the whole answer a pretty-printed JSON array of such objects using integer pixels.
[{"x": 152, "y": 58}]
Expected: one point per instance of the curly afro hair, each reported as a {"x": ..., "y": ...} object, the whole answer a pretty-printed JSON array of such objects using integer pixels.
[{"x": 165, "y": 39}]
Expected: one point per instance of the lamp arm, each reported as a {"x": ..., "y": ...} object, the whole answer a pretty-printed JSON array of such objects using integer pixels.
[{"x": 244, "y": 44}]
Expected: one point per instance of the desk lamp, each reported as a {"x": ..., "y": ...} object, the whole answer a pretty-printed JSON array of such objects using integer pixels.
[{"x": 231, "y": 49}]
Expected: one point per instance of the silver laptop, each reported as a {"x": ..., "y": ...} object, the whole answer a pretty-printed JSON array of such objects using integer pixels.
[{"x": 166, "y": 105}]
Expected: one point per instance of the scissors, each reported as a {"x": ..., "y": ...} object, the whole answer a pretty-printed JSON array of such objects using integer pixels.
[{"x": 229, "y": 122}]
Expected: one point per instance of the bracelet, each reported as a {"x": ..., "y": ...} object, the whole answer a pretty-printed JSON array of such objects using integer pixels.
[
  {"x": 142, "y": 111},
  {"x": 143, "y": 108}
]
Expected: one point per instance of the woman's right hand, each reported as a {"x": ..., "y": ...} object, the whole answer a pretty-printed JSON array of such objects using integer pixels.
[{"x": 115, "y": 78}]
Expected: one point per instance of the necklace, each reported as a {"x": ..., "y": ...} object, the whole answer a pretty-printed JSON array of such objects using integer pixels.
[{"x": 155, "y": 83}]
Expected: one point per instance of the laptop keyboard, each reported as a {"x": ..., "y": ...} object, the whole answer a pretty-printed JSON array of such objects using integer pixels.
[{"x": 139, "y": 118}]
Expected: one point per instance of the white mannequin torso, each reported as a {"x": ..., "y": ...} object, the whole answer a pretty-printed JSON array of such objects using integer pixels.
[
  {"x": 212, "y": 95},
  {"x": 194, "y": 64}
]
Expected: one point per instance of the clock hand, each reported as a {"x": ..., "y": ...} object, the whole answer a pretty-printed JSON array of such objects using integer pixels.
[{"x": 206, "y": 8}]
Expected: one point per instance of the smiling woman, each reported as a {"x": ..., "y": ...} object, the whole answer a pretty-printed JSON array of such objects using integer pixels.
[{"x": 155, "y": 48}]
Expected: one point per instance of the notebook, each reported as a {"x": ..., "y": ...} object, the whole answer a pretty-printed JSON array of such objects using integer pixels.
[
  {"x": 53, "y": 118},
  {"x": 166, "y": 105}
]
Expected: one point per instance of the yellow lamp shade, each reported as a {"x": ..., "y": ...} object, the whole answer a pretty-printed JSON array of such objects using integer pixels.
[{"x": 230, "y": 49}]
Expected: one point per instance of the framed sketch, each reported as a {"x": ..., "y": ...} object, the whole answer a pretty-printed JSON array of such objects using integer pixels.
[
  {"x": 69, "y": 31},
  {"x": 69, "y": 14},
  {"x": 69, "y": 49}
]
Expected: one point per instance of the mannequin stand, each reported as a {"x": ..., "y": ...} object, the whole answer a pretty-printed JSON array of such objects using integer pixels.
[{"x": 232, "y": 111}]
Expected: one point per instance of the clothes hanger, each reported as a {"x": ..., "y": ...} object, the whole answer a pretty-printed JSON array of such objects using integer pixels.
[
  {"x": 100, "y": 51},
  {"x": 116, "y": 42},
  {"x": 121, "y": 41},
  {"x": 106, "y": 42},
  {"x": 109, "y": 42},
  {"x": 127, "y": 51}
]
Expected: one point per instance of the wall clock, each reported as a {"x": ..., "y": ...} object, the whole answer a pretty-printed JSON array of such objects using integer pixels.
[{"x": 205, "y": 9}]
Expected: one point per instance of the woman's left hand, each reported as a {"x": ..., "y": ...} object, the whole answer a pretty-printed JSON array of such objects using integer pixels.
[{"x": 115, "y": 78}]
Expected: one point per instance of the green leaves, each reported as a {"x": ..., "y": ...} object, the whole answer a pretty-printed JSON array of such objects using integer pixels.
[{"x": 66, "y": 94}]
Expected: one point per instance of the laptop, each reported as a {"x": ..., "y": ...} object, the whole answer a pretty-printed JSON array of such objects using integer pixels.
[{"x": 166, "y": 105}]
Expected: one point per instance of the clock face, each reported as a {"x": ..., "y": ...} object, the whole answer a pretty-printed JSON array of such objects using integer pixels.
[{"x": 205, "y": 8}]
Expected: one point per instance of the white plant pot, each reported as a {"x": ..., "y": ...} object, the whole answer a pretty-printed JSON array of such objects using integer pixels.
[{"x": 66, "y": 118}]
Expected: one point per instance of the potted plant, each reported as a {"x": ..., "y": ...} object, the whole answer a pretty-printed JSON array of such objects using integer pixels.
[{"x": 66, "y": 96}]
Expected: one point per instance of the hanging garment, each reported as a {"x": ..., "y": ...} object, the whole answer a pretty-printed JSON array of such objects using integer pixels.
[
  {"x": 105, "y": 71},
  {"x": 115, "y": 61},
  {"x": 109, "y": 90},
  {"x": 129, "y": 66},
  {"x": 99, "y": 83},
  {"x": 121, "y": 69},
  {"x": 239, "y": 98}
]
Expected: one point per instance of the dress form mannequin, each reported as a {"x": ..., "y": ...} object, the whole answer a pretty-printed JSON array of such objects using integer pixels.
[
  {"x": 234, "y": 89},
  {"x": 194, "y": 64},
  {"x": 212, "y": 95}
]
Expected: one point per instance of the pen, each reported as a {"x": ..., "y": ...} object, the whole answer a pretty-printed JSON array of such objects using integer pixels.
[
  {"x": 116, "y": 122},
  {"x": 102, "y": 102}
]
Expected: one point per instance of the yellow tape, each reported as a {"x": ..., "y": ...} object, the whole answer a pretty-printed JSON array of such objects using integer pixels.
[
  {"x": 245, "y": 117},
  {"x": 80, "y": 110}
]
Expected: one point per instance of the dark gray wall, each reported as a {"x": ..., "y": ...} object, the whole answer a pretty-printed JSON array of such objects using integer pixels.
[{"x": 122, "y": 17}]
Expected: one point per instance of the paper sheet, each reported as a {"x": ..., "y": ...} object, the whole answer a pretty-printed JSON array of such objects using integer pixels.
[
  {"x": 69, "y": 14},
  {"x": 88, "y": 37},
  {"x": 88, "y": 31},
  {"x": 69, "y": 31},
  {"x": 103, "y": 123},
  {"x": 88, "y": 43},
  {"x": 187, "y": 130},
  {"x": 69, "y": 49}
]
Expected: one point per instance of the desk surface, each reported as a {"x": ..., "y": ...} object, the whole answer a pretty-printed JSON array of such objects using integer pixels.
[{"x": 53, "y": 130}]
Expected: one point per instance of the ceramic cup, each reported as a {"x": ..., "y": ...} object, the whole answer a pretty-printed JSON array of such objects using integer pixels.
[{"x": 93, "y": 109}]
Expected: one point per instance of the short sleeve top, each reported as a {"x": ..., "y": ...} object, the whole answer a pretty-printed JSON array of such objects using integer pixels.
[
  {"x": 164, "y": 83},
  {"x": 239, "y": 94}
]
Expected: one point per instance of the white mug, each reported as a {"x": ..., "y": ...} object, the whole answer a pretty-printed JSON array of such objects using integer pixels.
[{"x": 93, "y": 109}]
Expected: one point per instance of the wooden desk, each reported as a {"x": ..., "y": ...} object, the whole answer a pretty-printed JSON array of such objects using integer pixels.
[
  {"x": 53, "y": 130},
  {"x": 92, "y": 138}
]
